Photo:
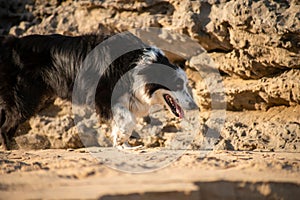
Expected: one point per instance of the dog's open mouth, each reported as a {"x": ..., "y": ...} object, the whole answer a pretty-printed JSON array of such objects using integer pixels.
[{"x": 175, "y": 108}]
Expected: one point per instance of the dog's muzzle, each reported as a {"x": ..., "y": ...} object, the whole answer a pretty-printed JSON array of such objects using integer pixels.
[
  {"x": 185, "y": 100},
  {"x": 192, "y": 106}
]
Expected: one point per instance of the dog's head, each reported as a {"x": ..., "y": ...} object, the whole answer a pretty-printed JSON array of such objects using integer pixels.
[{"x": 166, "y": 84}]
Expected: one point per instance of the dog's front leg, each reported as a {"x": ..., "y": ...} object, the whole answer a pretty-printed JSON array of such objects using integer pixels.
[{"x": 122, "y": 126}]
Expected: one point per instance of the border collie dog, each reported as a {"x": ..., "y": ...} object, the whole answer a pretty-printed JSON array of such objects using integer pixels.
[{"x": 36, "y": 68}]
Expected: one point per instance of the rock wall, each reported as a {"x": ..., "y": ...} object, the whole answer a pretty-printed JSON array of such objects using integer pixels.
[{"x": 255, "y": 45}]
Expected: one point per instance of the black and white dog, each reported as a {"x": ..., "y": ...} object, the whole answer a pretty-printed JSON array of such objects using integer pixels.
[{"x": 38, "y": 67}]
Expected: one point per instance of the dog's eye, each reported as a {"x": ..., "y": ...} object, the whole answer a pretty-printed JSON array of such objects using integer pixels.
[{"x": 179, "y": 84}]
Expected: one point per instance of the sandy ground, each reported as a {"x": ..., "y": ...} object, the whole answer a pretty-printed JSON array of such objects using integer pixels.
[{"x": 73, "y": 174}]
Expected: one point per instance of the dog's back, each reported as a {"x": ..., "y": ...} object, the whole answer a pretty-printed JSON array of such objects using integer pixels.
[{"x": 34, "y": 68}]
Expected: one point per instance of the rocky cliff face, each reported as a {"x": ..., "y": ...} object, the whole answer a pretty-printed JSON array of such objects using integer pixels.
[{"x": 254, "y": 44}]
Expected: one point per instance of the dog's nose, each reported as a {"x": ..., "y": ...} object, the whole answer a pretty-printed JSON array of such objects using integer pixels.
[{"x": 193, "y": 106}]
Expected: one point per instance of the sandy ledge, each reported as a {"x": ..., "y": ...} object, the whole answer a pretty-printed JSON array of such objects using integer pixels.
[{"x": 69, "y": 174}]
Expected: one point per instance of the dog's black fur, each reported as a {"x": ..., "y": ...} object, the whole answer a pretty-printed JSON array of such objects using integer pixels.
[{"x": 35, "y": 68}]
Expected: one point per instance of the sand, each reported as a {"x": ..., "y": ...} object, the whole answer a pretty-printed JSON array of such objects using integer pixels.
[{"x": 77, "y": 174}]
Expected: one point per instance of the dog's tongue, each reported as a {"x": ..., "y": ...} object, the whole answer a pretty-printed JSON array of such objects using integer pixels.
[{"x": 179, "y": 110}]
